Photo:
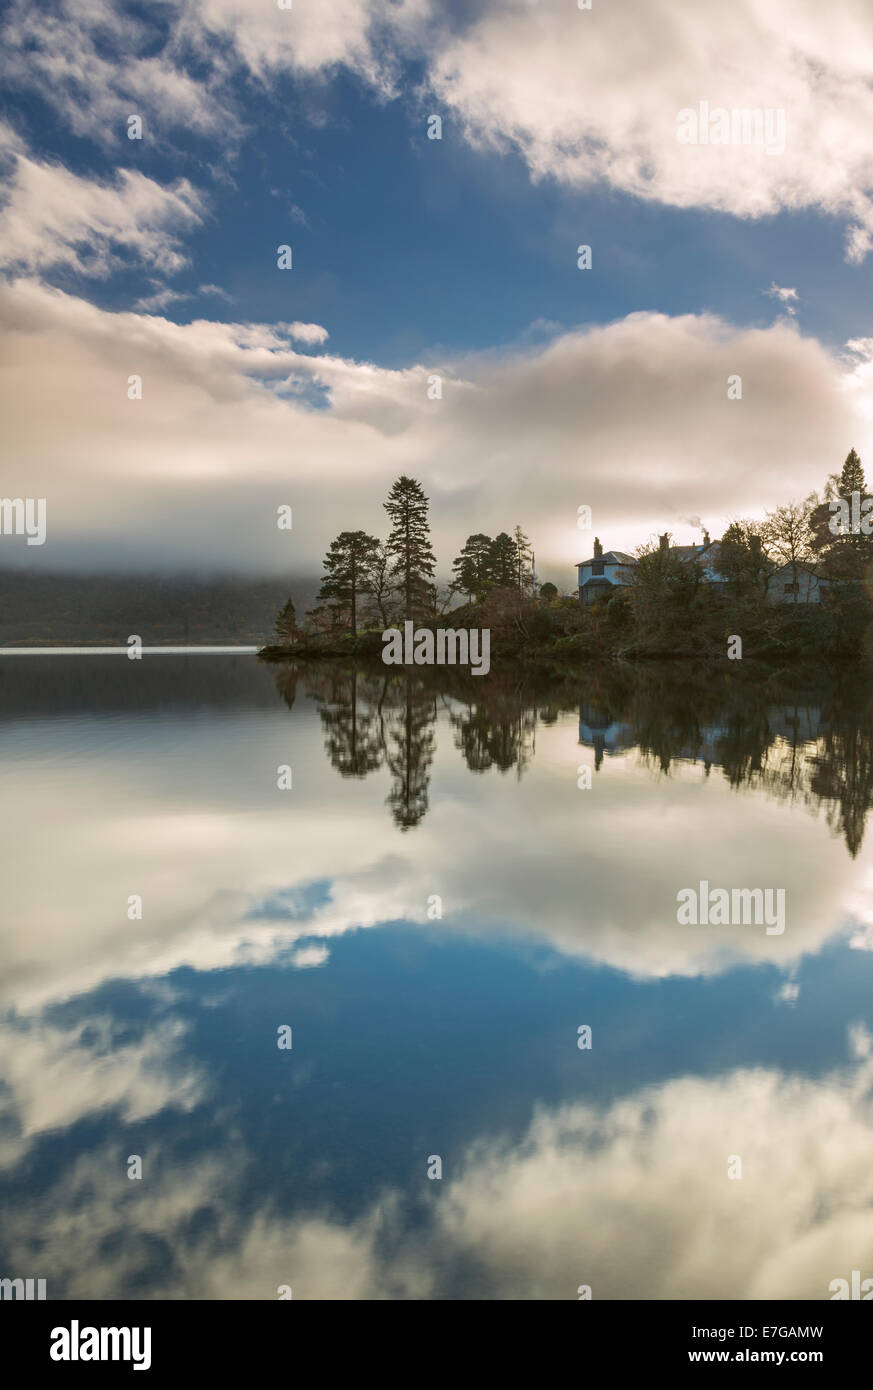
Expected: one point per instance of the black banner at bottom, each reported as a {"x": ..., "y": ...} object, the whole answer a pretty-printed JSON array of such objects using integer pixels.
[{"x": 66, "y": 1339}]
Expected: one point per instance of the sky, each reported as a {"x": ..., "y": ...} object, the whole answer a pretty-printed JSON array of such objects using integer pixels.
[{"x": 434, "y": 319}]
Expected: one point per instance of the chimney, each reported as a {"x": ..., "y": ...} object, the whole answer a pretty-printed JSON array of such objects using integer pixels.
[
  {"x": 598, "y": 549},
  {"x": 664, "y": 541},
  {"x": 706, "y": 540}
]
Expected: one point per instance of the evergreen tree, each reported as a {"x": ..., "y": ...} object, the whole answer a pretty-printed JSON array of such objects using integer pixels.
[
  {"x": 524, "y": 559},
  {"x": 843, "y": 554},
  {"x": 851, "y": 478},
  {"x": 413, "y": 561},
  {"x": 502, "y": 564},
  {"x": 286, "y": 624},
  {"x": 347, "y": 565},
  {"x": 471, "y": 567}
]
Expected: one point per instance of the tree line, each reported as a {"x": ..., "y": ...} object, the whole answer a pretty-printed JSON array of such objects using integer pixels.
[
  {"x": 670, "y": 607},
  {"x": 373, "y": 582},
  {"x": 667, "y": 609},
  {"x": 818, "y": 536}
]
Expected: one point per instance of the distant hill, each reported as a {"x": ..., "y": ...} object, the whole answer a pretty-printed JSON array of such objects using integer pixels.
[{"x": 45, "y": 610}]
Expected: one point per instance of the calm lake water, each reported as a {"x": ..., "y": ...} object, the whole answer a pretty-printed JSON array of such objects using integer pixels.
[{"x": 434, "y": 908}]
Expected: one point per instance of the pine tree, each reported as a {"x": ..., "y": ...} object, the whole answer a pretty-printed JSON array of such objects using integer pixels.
[
  {"x": 524, "y": 557},
  {"x": 471, "y": 567},
  {"x": 286, "y": 624},
  {"x": 347, "y": 565},
  {"x": 413, "y": 561},
  {"x": 502, "y": 568},
  {"x": 851, "y": 478},
  {"x": 842, "y": 554}
]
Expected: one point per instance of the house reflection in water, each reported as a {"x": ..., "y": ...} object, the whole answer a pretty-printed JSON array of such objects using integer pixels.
[
  {"x": 598, "y": 730},
  {"x": 610, "y": 736}
]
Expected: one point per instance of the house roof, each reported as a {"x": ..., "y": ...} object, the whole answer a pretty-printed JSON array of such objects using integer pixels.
[
  {"x": 609, "y": 557},
  {"x": 802, "y": 568},
  {"x": 707, "y": 553}
]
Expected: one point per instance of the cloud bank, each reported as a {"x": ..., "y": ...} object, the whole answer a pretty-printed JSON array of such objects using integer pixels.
[{"x": 631, "y": 418}]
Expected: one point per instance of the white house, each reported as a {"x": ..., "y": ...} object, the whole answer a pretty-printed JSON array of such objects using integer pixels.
[
  {"x": 603, "y": 572},
  {"x": 784, "y": 587},
  {"x": 706, "y": 556},
  {"x": 613, "y": 568},
  {"x": 610, "y": 569}
]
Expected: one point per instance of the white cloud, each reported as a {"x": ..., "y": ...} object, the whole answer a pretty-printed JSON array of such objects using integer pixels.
[
  {"x": 584, "y": 97},
  {"x": 149, "y": 303},
  {"x": 788, "y": 298},
  {"x": 215, "y": 290},
  {"x": 97, "y": 65},
  {"x": 54, "y": 1077},
  {"x": 69, "y": 1228},
  {"x": 636, "y": 1201},
  {"x": 594, "y": 97},
  {"x": 310, "y": 38},
  {"x": 632, "y": 1199},
  {"x": 51, "y": 217},
  {"x": 309, "y": 333},
  {"x": 631, "y": 418},
  {"x": 309, "y": 957}
]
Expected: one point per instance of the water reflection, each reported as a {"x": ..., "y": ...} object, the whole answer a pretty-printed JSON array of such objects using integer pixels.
[
  {"x": 415, "y": 1036},
  {"x": 371, "y": 720},
  {"x": 816, "y": 751}
]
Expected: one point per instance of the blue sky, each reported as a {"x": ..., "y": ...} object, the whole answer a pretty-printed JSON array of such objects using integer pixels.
[
  {"x": 408, "y": 246},
  {"x": 308, "y": 127}
]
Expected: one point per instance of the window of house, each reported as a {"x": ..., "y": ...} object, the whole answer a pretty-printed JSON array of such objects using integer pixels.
[
  {"x": 597, "y": 567},
  {"x": 792, "y": 588}
]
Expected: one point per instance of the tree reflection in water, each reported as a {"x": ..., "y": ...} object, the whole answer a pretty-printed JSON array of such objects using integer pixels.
[{"x": 810, "y": 746}]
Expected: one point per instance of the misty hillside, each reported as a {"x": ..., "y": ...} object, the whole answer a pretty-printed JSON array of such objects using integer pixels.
[{"x": 104, "y": 610}]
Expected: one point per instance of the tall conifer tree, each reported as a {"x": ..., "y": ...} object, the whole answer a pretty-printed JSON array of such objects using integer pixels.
[
  {"x": 413, "y": 560},
  {"x": 347, "y": 572}
]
